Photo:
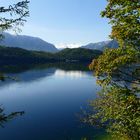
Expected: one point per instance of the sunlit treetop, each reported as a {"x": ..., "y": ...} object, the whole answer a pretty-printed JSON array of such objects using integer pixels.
[{"x": 124, "y": 16}]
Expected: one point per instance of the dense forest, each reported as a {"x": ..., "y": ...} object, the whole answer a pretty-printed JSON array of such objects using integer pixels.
[{"x": 10, "y": 55}]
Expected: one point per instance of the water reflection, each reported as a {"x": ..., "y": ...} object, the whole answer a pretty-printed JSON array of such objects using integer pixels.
[
  {"x": 64, "y": 66},
  {"x": 72, "y": 74},
  {"x": 6, "y": 118},
  {"x": 51, "y": 97}
]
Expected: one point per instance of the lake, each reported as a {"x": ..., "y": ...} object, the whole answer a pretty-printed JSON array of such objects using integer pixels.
[{"x": 52, "y": 97}]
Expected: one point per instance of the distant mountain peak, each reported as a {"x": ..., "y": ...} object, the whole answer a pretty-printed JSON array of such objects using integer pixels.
[
  {"x": 101, "y": 45},
  {"x": 27, "y": 42}
]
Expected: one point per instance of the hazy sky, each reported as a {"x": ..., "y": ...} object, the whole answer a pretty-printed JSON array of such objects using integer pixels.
[{"x": 66, "y": 22}]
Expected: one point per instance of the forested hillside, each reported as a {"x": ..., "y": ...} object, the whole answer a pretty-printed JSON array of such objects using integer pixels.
[
  {"x": 77, "y": 54},
  {"x": 12, "y": 55}
]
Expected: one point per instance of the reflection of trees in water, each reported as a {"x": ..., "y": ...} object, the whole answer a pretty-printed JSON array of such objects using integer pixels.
[{"x": 24, "y": 68}]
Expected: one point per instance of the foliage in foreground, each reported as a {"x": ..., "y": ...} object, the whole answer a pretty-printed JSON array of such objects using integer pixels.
[
  {"x": 118, "y": 110},
  {"x": 12, "y": 17},
  {"x": 118, "y": 106},
  {"x": 5, "y": 118}
]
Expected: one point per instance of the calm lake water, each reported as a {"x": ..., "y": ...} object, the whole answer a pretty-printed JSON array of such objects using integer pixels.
[{"x": 51, "y": 97}]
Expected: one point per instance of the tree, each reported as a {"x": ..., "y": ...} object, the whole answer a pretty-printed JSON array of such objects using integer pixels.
[
  {"x": 117, "y": 71},
  {"x": 5, "y": 118},
  {"x": 125, "y": 19},
  {"x": 11, "y": 18}
]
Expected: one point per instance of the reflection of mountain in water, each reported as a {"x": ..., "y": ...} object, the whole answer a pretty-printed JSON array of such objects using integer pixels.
[
  {"x": 29, "y": 75},
  {"x": 35, "y": 72}
]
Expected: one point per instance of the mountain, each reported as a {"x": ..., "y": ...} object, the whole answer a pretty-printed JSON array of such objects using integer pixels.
[
  {"x": 27, "y": 42},
  {"x": 101, "y": 45},
  {"x": 12, "y": 55},
  {"x": 77, "y": 54}
]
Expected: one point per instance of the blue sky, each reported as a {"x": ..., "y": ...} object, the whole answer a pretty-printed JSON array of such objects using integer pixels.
[{"x": 66, "y": 22}]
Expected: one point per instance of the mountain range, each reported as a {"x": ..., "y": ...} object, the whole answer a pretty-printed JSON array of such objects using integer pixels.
[
  {"x": 37, "y": 44},
  {"x": 27, "y": 42},
  {"x": 101, "y": 45}
]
